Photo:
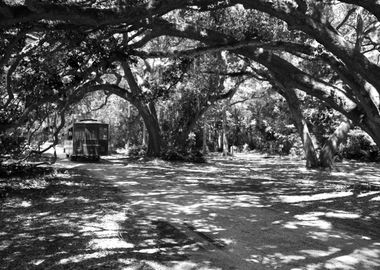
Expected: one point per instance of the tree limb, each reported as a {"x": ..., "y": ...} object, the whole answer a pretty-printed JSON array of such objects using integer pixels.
[
  {"x": 370, "y": 5},
  {"x": 274, "y": 45},
  {"x": 103, "y": 104},
  {"x": 349, "y": 13}
]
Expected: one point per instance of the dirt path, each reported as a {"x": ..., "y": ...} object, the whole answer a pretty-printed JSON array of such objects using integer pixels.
[
  {"x": 249, "y": 213},
  {"x": 245, "y": 212}
]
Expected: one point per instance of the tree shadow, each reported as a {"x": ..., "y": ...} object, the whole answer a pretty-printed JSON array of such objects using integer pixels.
[
  {"x": 282, "y": 214},
  {"x": 74, "y": 221},
  {"x": 244, "y": 212}
]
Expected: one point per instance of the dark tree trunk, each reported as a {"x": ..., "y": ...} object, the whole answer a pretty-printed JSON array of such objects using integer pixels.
[
  {"x": 372, "y": 128},
  {"x": 224, "y": 126},
  {"x": 204, "y": 138},
  {"x": 331, "y": 146},
  {"x": 180, "y": 140},
  {"x": 152, "y": 126},
  {"x": 308, "y": 146},
  {"x": 154, "y": 143},
  {"x": 302, "y": 128}
]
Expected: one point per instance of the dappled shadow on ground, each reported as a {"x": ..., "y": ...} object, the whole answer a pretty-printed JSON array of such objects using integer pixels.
[
  {"x": 265, "y": 212},
  {"x": 242, "y": 212},
  {"x": 72, "y": 221}
]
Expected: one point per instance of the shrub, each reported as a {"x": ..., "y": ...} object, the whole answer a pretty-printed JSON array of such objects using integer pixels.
[
  {"x": 12, "y": 147},
  {"x": 135, "y": 151},
  {"x": 23, "y": 170},
  {"x": 183, "y": 156},
  {"x": 360, "y": 146}
]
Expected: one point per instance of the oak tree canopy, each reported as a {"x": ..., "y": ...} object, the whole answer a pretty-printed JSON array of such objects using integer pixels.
[{"x": 54, "y": 52}]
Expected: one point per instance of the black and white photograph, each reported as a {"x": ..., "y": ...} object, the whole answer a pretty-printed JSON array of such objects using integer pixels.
[{"x": 190, "y": 134}]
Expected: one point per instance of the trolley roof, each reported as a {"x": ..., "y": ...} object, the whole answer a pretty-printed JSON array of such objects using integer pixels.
[{"x": 87, "y": 121}]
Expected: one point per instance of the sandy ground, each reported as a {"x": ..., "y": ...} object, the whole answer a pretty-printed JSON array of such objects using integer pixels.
[
  {"x": 252, "y": 212},
  {"x": 243, "y": 212}
]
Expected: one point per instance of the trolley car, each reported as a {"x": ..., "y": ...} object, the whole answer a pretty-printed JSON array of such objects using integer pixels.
[{"x": 87, "y": 138}]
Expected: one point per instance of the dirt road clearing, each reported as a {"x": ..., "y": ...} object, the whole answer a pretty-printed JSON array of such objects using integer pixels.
[
  {"x": 245, "y": 212},
  {"x": 249, "y": 212}
]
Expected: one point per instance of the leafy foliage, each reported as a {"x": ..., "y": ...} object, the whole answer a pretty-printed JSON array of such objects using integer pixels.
[
  {"x": 49, "y": 64},
  {"x": 11, "y": 146},
  {"x": 360, "y": 146},
  {"x": 183, "y": 156}
]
